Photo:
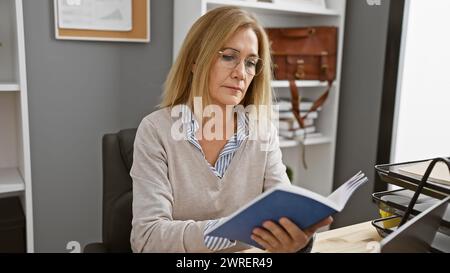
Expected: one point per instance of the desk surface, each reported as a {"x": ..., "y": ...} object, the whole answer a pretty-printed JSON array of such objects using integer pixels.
[{"x": 351, "y": 239}]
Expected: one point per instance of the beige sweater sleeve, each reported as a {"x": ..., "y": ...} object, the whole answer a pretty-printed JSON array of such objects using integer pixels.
[
  {"x": 275, "y": 173},
  {"x": 153, "y": 228}
]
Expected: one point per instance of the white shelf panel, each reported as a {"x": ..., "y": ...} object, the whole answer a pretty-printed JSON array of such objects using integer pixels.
[
  {"x": 317, "y": 140},
  {"x": 285, "y": 84},
  {"x": 309, "y": 142},
  {"x": 288, "y": 143},
  {"x": 10, "y": 180},
  {"x": 9, "y": 86},
  {"x": 296, "y": 9}
]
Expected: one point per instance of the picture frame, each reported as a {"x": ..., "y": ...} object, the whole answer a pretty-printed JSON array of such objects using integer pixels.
[{"x": 120, "y": 21}]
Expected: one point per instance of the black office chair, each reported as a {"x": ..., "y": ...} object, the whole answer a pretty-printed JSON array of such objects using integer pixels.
[{"x": 117, "y": 156}]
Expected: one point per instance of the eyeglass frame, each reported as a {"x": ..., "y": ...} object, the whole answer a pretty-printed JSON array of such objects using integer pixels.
[{"x": 259, "y": 61}]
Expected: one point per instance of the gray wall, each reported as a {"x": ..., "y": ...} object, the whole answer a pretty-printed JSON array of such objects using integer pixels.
[
  {"x": 360, "y": 102},
  {"x": 79, "y": 91},
  {"x": 143, "y": 69}
]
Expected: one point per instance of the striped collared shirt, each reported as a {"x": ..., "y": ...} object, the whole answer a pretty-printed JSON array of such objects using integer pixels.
[
  {"x": 221, "y": 165},
  {"x": 230, "y": 148}
]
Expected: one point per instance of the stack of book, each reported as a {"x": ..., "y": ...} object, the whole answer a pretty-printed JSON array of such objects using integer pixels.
[{"x": 289, "y": 128}]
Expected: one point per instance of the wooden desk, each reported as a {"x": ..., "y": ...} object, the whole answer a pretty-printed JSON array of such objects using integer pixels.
[{"x": 351, "y": 239}]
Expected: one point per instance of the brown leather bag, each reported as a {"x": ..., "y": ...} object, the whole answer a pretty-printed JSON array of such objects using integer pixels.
[{"x": 307, "y": 53}]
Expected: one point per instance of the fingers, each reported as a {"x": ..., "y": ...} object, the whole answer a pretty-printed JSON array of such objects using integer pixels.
[
  {"x": 262, "y": 243},
  {"x": 293, "y": 230},
  {"x": 267, "y": 237},
  {"x": 280, "y": 234},
  {"x": 325, "y": 222},
  {"x": 285, "y": 237}
]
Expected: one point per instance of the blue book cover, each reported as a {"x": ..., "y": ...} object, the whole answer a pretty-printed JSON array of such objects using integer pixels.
[{"x": 303, "y": 207}]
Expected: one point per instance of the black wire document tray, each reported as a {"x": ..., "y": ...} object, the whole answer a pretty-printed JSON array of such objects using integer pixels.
[
  {"x": 393, "y": 174},
  {"x": 396, "y": 202}
]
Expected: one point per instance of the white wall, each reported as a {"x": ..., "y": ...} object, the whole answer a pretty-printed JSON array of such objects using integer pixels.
[{"x": 422, "y": 122}]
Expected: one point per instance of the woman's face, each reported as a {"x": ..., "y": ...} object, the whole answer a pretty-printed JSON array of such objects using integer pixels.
[{"x": 227, "y": 85}]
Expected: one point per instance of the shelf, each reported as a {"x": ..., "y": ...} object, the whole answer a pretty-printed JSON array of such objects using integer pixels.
[
  {"x": 10, "y": 180},
  {"x": 285, "y": 84},
  {"x": 309, "y": 142},
  {"x": 296, "y": 9},
  {"x": 288, "y": 143},
  {"x": 317, "y": 140},
  {"x": 9, "y": 86}
]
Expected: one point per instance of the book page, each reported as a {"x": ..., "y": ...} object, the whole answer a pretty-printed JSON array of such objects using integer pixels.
[
  {"x": 440, "y": 173},
  {"x": 343, "y": 193}
]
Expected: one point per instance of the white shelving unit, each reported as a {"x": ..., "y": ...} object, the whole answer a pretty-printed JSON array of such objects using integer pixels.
[
  {"x": 320, "y": 151},
  {"x": 9, "y": 87},
  {"x": 15, "y": 165}
]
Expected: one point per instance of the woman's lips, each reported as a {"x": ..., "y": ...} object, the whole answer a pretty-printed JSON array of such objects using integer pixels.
[{"x": 235, "y": 89}]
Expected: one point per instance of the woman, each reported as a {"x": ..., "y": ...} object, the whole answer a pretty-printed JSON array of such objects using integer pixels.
[{"x": 182, "y": 186}]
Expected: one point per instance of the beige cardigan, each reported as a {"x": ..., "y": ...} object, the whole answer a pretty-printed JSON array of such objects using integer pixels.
[{"x": 175, "y": 192}]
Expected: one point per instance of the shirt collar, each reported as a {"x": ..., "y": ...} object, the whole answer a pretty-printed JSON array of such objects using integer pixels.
[{"x": 188, "y": 119}]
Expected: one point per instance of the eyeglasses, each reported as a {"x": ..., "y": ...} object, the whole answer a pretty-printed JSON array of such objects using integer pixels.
[{"x": 230, "y": 58}]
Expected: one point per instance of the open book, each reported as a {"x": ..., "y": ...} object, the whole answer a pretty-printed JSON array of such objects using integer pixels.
[{"x": 303, "y": 207}]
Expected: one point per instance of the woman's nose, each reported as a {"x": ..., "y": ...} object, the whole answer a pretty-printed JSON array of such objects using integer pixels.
[{"x": 239, "y": 71}]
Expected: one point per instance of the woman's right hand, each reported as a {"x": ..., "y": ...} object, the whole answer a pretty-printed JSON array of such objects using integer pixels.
[{"x": 285, "y": 236}]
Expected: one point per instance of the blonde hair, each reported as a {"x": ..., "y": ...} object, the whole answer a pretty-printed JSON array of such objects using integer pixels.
[{"x": 205, "y": 38}]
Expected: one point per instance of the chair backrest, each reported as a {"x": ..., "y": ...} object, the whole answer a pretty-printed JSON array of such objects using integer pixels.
[{"x": 117, "y": 154}]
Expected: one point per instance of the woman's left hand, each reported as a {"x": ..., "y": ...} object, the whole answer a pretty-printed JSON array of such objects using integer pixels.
[{"x": 286, "y": 236}]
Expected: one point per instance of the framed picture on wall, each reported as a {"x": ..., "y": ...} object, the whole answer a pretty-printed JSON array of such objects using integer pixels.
[{"x": 100, "y": 20}]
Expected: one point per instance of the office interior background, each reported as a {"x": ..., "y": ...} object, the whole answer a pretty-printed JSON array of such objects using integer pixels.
[{"x": 393, "y": 105}]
